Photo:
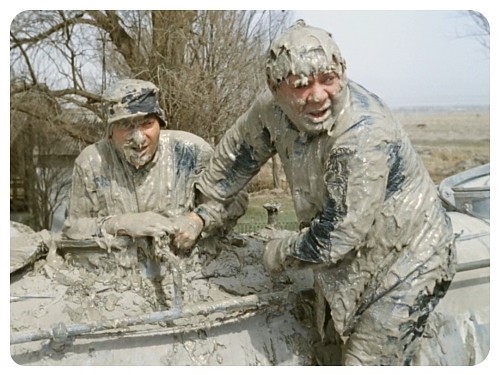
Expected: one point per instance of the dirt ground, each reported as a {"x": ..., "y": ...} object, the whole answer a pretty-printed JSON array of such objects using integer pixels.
[{"x": 449, "y": 140}]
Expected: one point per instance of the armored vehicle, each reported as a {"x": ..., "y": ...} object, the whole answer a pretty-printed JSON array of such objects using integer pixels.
[{"x": 89, "y": 303}]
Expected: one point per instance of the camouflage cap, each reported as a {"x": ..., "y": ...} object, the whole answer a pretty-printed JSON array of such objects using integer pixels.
[
  {"x": 303, "y": 50},
  {"x": 130, "y": 98}
]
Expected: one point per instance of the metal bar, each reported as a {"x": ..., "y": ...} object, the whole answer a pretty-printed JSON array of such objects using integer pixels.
[
  {"x": 22, "y": 298},
  {"x": 61, "y": 331},
  {"x": 187, "y": 328},
  {"x": 473, "y": 265},
  {"x": 472, "y": 236}
]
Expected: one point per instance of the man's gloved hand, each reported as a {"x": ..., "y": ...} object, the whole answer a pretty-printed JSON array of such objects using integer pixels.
[
  {"x": 139, "y": 224},
  {"x": 187, "y": 229},
  {"x": 276, "y": 253}
]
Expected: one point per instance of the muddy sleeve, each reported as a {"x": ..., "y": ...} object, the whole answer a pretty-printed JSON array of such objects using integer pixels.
[
  {"x": 230, "y": 211},
  {"x": 237, "y": 158},
  {"x": 356, "y": 178},
  {"x": 82, "y": 221}
]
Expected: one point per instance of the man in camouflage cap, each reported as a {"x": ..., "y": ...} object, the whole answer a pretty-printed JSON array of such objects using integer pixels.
[
  {"x": 134, "y": 101},
  {"x": 130, "y": 98},
  {"x": 137, "y": 179},
  {"x": 372, "y": 225}
]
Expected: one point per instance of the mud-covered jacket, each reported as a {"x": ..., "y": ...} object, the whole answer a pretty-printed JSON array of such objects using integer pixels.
[
  {"x": 104, "y": 184},
  {"x": 368, "y": 208}
]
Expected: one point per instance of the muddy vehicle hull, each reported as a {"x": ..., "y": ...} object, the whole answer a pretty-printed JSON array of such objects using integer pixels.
[
  {"x": 228, "y": 311},
  {"x": 230, "y": 314}
]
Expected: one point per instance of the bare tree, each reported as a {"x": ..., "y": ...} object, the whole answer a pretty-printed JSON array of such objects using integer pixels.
[
  {"x": 40, "y": 139},
  {"x": 208, "y": 65}
]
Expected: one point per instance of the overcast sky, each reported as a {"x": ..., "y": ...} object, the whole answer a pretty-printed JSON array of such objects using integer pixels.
[{"x": 410, "y": 57}]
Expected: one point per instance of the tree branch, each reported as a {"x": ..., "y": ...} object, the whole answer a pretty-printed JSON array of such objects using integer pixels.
[
  {"x": 75, "y": 134},
  {"x": 28, "y": 63},
  {"x": 110, "y": 22},
  {"x": 54, "y": 29}
]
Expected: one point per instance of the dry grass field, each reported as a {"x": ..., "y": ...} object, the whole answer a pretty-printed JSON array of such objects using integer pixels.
[{"x": 449, "y": 140}]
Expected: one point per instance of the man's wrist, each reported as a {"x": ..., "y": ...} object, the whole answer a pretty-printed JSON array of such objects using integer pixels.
[
  {"x": 201, "y": 215},
  {"x": 198, "y": 219}
]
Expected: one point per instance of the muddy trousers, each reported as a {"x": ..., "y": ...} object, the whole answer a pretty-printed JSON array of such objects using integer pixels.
[{"x": 388, "y": 332}]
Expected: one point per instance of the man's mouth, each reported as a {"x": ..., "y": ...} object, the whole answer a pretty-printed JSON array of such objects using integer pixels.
[
  {"x": 139, "y": 149},
  {"x": 319, "y": 115}
]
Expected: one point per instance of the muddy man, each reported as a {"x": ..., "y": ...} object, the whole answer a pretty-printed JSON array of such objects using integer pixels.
[
  {"x": 140, "y": 176},
  {"x": 371, "y": 224}
]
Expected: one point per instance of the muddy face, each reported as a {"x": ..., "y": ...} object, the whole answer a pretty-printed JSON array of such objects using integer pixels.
[
  {"x": 136, "y": 139},
  {"x": 306, "y": 73},
  {"x": 308, "y": 101}
]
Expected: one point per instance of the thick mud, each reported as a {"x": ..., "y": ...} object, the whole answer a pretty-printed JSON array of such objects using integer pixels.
[{"x": 91, "y": 310}]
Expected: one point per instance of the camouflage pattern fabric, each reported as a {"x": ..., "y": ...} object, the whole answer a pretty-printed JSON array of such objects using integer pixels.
[{"x": 132, "y": 97}]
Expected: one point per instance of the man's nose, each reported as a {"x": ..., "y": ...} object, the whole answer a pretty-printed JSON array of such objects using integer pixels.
[
  {"x": 137, "y": 136},
  {"x": 316, "y": 94}
]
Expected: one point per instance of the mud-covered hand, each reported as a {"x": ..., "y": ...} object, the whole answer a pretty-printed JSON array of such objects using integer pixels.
[
  {"x": 187, "y": 229},
  {"x": 276, "y": 253},
  {"x": 139, "y": 224}
]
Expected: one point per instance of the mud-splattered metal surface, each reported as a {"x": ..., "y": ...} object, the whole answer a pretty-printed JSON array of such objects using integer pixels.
[{"x": 90, "y": 288}]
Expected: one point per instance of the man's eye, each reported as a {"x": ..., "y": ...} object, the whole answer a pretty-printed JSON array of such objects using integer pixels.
[
  {"x": 329, "y": 79},
  {"x": 122, "y": 125},
  {"x": 147, "y": 123}
]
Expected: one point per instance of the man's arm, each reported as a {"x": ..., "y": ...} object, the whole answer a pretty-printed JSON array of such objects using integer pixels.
[
  {"x": 356, "y": 185},
  {"x": 237, "y": 158},
  {"x": 356, "y": 176},
  {"x": 88, "y": 218}
]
